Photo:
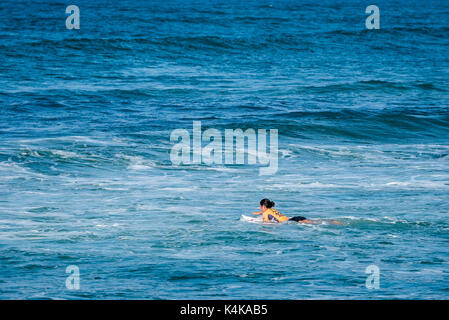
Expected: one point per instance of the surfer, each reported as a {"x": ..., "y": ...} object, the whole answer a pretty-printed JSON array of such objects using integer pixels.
[{"x": 272, "y": 215}]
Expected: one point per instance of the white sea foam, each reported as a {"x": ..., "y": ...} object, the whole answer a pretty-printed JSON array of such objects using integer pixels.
[
  {"x": 80, "y": 139},
  {"x": 137, "y": 163},
  {"x": 66, "y": 154}
]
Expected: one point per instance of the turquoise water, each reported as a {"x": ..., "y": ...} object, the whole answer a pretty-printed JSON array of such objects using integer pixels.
[{"x": 85, "y": 171}]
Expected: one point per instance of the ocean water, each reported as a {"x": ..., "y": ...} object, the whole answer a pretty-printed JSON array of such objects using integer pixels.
[{"x": 85, "y": 171}]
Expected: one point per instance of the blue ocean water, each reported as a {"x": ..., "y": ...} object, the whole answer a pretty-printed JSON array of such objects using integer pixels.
[{"x": 85, "y": 171}]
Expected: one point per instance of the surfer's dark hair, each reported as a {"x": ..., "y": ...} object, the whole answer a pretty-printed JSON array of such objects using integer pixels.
[{"x": 267, "y": 203}]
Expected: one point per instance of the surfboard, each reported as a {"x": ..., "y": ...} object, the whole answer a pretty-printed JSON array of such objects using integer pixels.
[{"x": 251, "y": 219}]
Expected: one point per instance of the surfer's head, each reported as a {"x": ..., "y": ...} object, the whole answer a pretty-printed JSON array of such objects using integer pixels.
[{"x": 266, "y": 204}]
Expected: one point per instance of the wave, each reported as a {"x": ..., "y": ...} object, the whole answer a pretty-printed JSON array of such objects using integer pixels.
[
  {"x": 386, "y": 184},
  {"x": 383, "y": 124},
  {"x": 200, "y": 43},
  {"x": 364, "y": 221},
  {"x": 386, "y": 125},
  {"x": 370, "y": 85}
]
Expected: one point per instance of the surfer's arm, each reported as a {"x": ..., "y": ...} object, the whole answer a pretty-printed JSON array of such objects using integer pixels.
[{"x": 257, "y": 213}]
